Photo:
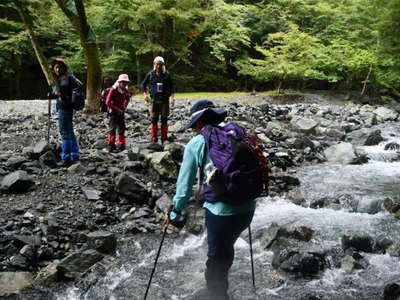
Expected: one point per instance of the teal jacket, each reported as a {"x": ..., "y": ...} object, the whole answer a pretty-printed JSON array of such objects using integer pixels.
[{"x": 193, "y": 158}]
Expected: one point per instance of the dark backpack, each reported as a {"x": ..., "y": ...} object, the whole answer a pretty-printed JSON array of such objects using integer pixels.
[
  {"x": 104, "y": 107},
  {"x": 78, "y": 96},
  {"x": 239, "y": 175}
]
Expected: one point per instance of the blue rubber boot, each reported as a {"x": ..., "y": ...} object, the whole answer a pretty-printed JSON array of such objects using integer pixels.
[
  {"x": 65, "y": 152},
  {"x": 74, "y": 150}
]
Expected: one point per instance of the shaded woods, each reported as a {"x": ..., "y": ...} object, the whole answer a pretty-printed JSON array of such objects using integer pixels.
[{"x": 211, "y": 45}]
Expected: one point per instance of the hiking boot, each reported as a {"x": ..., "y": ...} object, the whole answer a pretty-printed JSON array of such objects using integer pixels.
[
  {"x": 111, "y": 148},
  {"x": 121, "y": 148},
  {"x": 64, "y": 163}
]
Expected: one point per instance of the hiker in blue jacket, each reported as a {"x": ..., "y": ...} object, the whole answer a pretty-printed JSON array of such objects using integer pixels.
[{"x": 224, "y": 222}]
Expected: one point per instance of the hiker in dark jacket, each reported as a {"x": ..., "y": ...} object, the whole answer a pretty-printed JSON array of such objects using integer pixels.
[
  {"x": 158, "y": 83},
  {"x": 62, "y": 91},
  {"x": 117, "y": 101},
  {"x": 105, "y": 88},
  {"x": 224, "y": 222}
]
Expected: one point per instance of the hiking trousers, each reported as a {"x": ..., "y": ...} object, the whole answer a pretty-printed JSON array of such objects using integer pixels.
[
  {"x": 159, "y": 108},
  {"x": 116, "y": 124},
  {"x": 222, "y": 233},
  {"x": 65, "y": 124}
]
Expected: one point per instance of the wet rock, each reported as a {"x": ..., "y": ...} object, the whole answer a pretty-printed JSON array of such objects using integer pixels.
[
  {"x": 385, "y": 114},
  {"x": 360, "y": 159},
  {"x": 163, "y": 203},
  {"x": 392, "y": 146},
  {"x": 276, "y": 232},
  {"x": 392, "y": 205},
  {"x": 16, "y": 182},
  {"x": 15, "y": 162},
  {"x": 48, "y": 275},
  {"x": 298, "y": 258},
  {"x": 349, "y": 263},
  {"x": 269, "y": 235},
  {"x": 155, "y": 147},
  {"x": 76, "y": 264},
  {"x": 48, "y": 160},
  {"x": 19, "y": 262},
  {"x": 11, "y": 282},
  {"x": 91, "y": 194},
  {"x": 100, "y": 144},
  {"x": 135, "y": 166},
  {"x": 342, "y": 153},
  {"x": 374, "y": 138},
  {"x": 40, "y": 148},
  {"x": 176, "y": 151},
  {"x": 359, "y": 243},
  {"x": 295, "y": 197},
  {"x": 303, "y": 142},
  {"x": 392, "y": 291},
  {"x": 393, "y": 250},
  {"x": 382, "y": 244},
  {"x": 130, "y": 187},
  {"x": 303, "y": 125},
  {"x": 275, "y": 129},
  {"x": 164, "y": 165},
  {"x": 134, "y": 154},
  {"x": 102, "y": 241}
]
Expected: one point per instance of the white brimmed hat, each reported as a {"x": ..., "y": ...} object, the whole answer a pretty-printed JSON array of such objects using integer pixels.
[
  {"x": 123, "y": 77},
  {"x": 159, "y": 59}
]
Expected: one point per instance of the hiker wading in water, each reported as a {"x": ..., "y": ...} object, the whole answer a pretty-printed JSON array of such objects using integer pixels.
[
  {"x": 159, "y": 84},
  {"x": 62, "y": 91},
  {"x": 117, "y": 100},
  {"x": 224, "y": 221}
]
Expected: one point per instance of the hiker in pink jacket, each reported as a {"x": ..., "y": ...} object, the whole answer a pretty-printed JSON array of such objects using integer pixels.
[{"x": 117, "y": 101}]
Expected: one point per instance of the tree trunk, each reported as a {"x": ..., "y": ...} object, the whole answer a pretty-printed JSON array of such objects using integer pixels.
[
  {"x": 137, "y": 72},
  {"x": 27, "y": 20},
  {"x": 17, "y": 78},
  {"x": 75, "y": 11}
]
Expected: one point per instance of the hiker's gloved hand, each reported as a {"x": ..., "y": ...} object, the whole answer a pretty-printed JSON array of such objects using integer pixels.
[{"x": 176, "y": 218}]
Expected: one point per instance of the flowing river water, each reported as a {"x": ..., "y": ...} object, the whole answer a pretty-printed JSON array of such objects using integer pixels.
[
  {"x": 180, "y": 269},
  {"x": 179, "y": 272}
]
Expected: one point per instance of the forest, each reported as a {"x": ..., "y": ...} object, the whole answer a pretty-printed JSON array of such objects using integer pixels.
[{"x": 208, "y": 45}]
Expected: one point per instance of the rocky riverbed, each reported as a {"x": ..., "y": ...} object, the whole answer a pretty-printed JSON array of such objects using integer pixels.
[{"x": 61, "y": 225}]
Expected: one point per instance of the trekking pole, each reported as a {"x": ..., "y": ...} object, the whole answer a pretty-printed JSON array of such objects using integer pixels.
[
  {"x": 155, "y": 262},
  {"x": 251, "y": 256},
  {"x": 48, "y": 118}
]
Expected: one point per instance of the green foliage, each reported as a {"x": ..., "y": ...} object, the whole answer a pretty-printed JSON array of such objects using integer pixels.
[{"x": 205, "y": 42}]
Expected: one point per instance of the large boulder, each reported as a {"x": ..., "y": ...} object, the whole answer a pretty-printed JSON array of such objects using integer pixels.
[
  {"x": 385, "y": 114},
  {"x": 40, "y": 148},
  {"x": 163, "y": 163},
  {"x": 104, "y": 242},
  {"x": 342, "y": 153},
  {"x": 16, "y": 182},
  {"x": 11, "y": 282},
  {"x": 76, "y": 264},
  {"x": 48, "y": 275},
  {"x": 298, "y": 257},
  {"x": 392, "y": 291},
  {"x": 303, "y": 125},
  {"x": 374, "y": 138},
  {"x": 132, "y": 188},
  {"x": 359, "y": 243}
]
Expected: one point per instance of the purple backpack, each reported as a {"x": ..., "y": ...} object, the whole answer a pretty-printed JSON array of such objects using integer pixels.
[{"x": 237, "y": 177}]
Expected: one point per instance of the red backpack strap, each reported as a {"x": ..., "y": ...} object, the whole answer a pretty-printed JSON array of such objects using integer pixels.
[{"x": 254, "y": 142}]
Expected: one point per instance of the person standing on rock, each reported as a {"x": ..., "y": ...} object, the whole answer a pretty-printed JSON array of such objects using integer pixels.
[
  {"x": 224, "y": 221},
  {"x": 62, "y": 91},
  {"x": 117, "y": 100},
  {"x": 158, "y": 83}
]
